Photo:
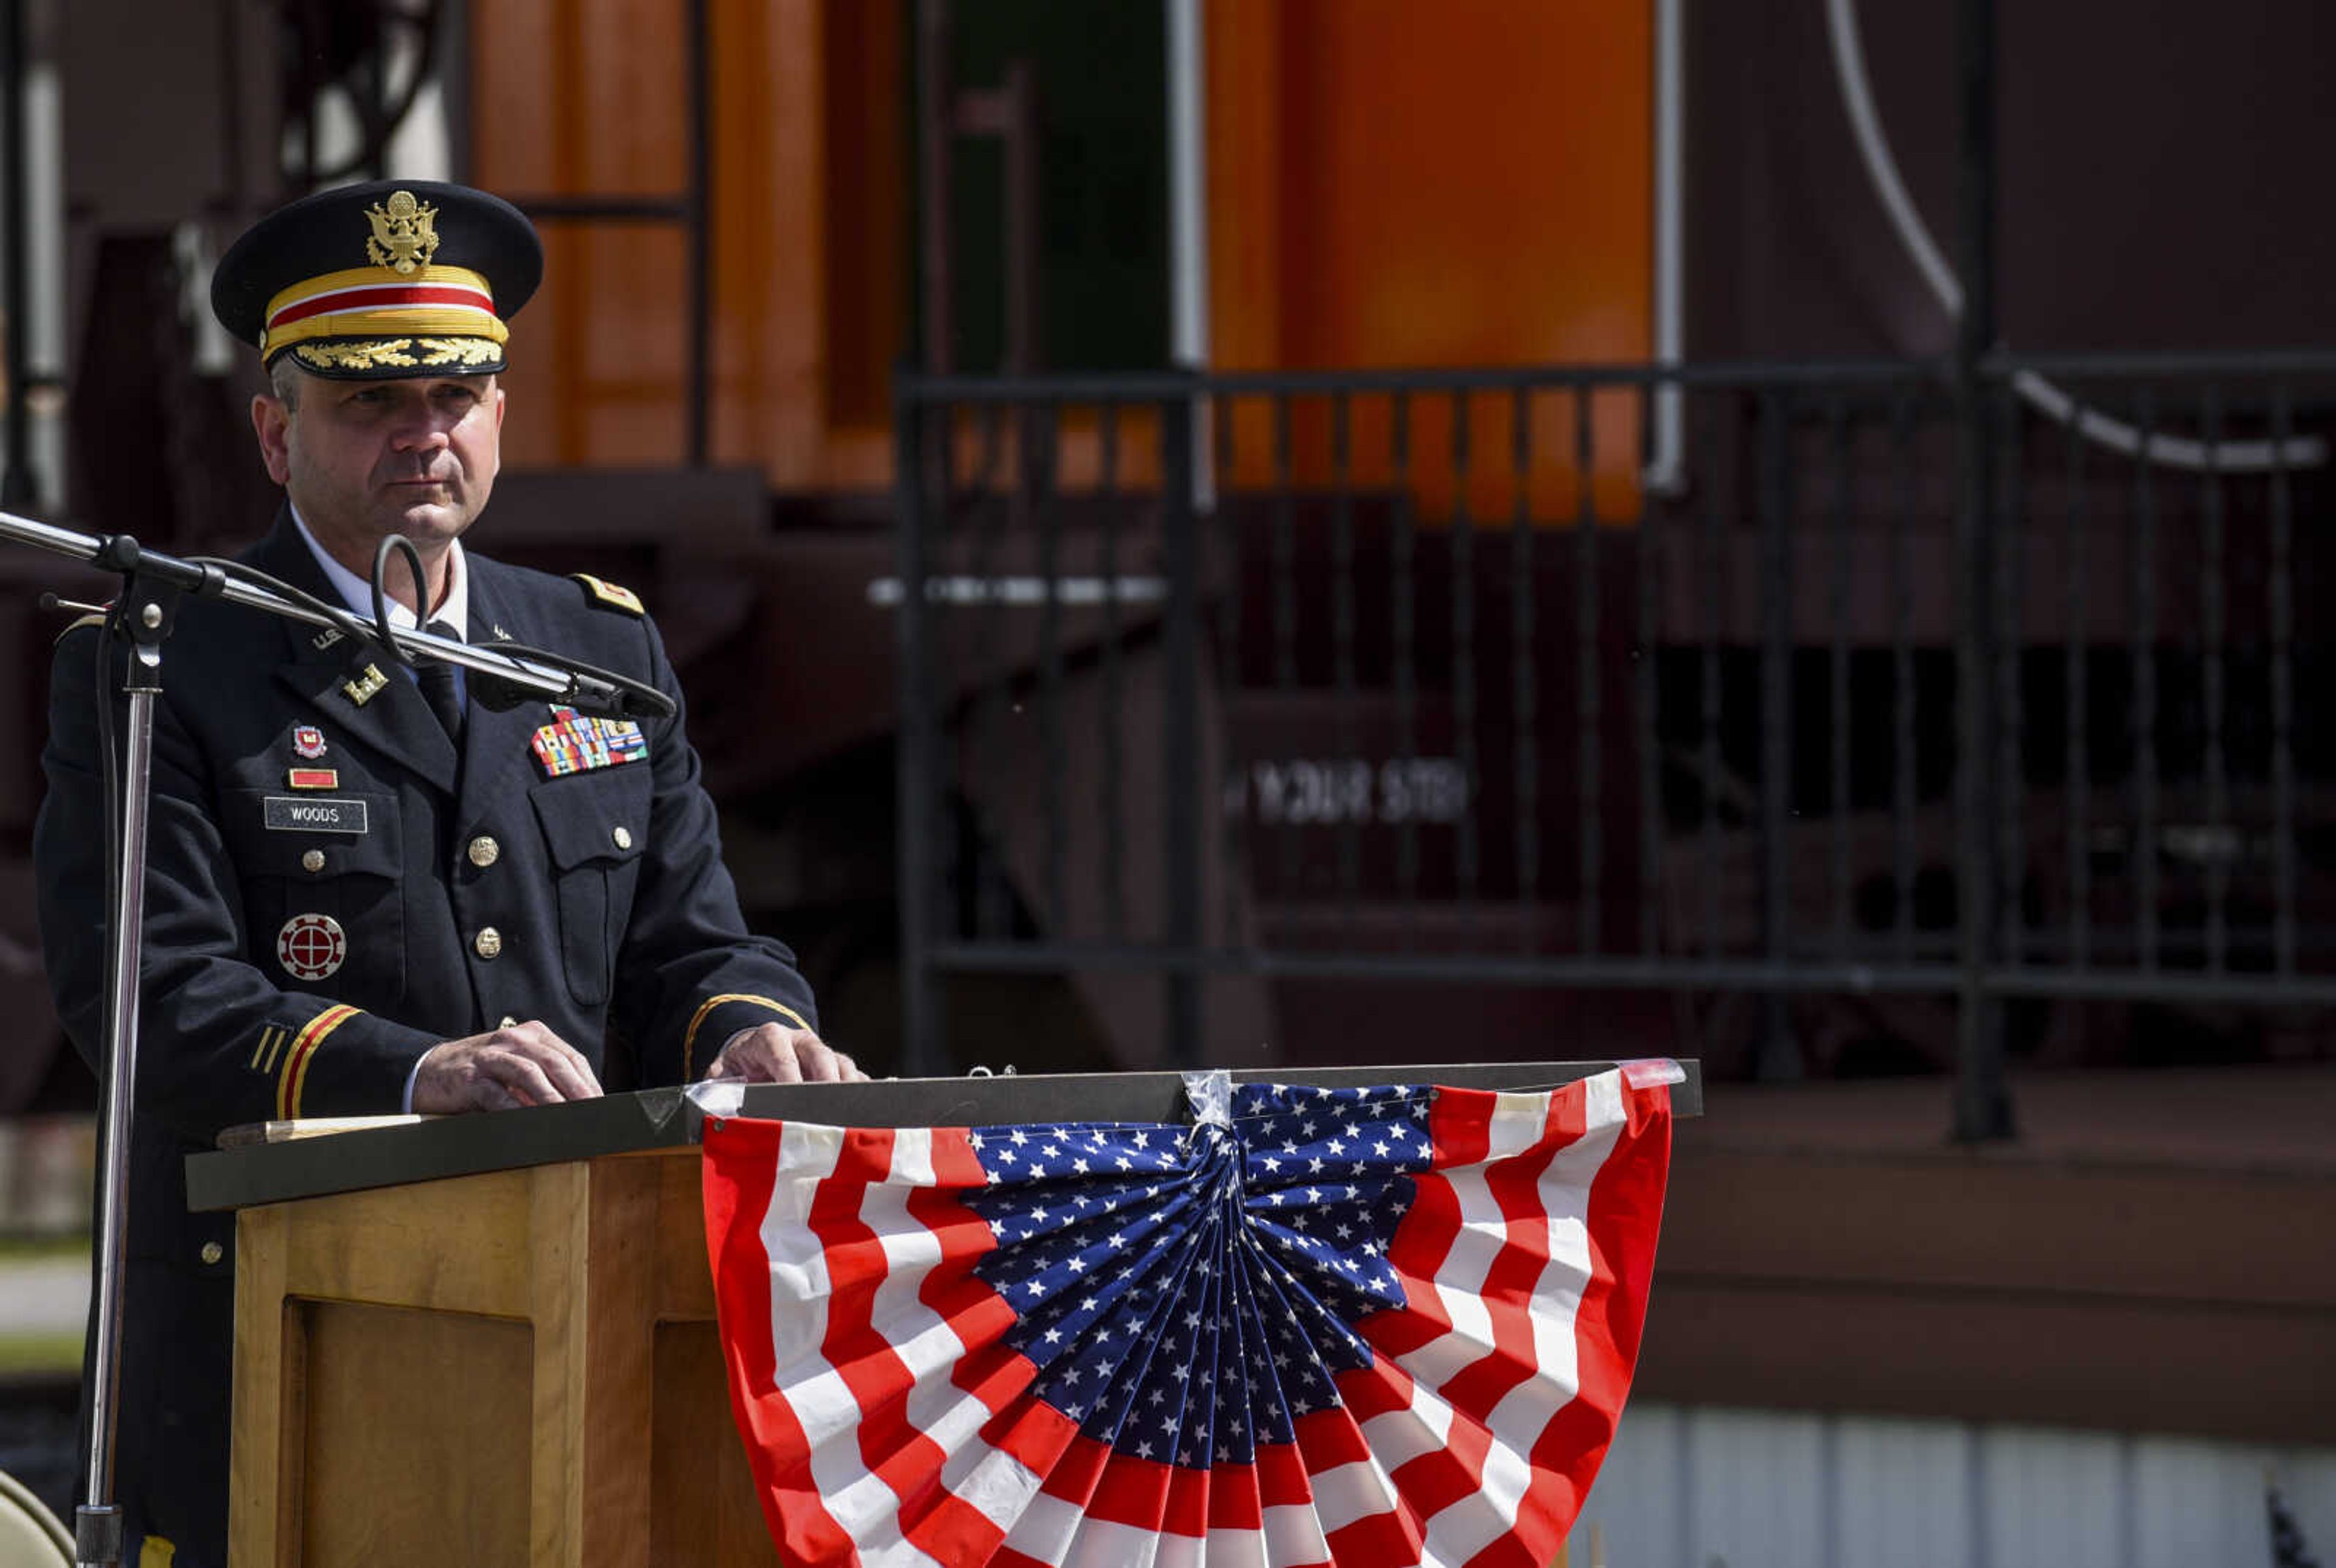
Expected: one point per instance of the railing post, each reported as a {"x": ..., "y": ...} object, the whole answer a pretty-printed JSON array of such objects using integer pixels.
[
  {"x": 918, "y": 460},
  {"x": 1777, "y": 1054},
  {"x": 935, "y": 92},
  {"x": 1181, "y": 755},
  {"x": 17, "y": 491},
  {"x": 699, "y": 235},
  {"x": 1983, "y": 1101}
]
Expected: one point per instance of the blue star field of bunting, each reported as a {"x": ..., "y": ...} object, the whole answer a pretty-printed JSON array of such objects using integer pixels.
[{"x": 1188, "y": 1292}]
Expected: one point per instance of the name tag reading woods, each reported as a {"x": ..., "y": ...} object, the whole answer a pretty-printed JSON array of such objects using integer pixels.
[{"x": 315, "y": 815}]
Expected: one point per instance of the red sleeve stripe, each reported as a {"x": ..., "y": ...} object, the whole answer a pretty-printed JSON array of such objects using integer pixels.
[{"x": 294, "y": 1077}]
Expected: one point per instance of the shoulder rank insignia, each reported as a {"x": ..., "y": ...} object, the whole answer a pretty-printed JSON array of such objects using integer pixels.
[{"x": 610, "y": 594}]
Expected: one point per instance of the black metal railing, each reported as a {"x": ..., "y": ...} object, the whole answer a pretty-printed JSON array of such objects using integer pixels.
[
  {"x": 1934, "y": 704},
  {"x": 18, "y": 488}
]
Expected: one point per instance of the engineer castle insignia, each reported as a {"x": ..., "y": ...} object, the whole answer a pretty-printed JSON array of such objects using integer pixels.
[{"x": 404, "y": 232}]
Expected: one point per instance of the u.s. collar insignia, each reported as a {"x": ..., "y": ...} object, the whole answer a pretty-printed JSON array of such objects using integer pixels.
[
  {"x": 404, "y": 232},
  {"x": 325, "y": 640},
  {"x": 307, "y": 740},
  {"x": 368, "y": 681}
]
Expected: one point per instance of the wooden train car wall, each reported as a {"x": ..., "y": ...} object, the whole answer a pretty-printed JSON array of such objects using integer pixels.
[
  {"x": 588, "y": 98},
  {"x": 1388, "y": 185}
]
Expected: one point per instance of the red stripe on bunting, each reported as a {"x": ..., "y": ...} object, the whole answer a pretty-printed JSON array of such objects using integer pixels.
[
  {"x": 1379, "y": 1389},
  {"x": 893, "y": 1450},
  {"x": 1626, "y": 1212},
  {"x": 947, "y": 1528},
  {"x": 1233, "y": 1500},
  {"x": 1426, "y": 1251},
  {"x": 1181, "y": 1500},
  {"x": 1459, "y": 1128},
  {"x": 1329, "y": 1438},
  {"x": 1432, "y": 1483},
  {"x": 1380, "y": 1541},
  {"x": 1126, "y": 1490},
  {"x": 1032, "y": 1432},
  {"x": 741, "y": 1172},
  {"x": 1187, "y": 1509},
  {"x": 1460, "y": 1125},
  {"x": 1543, "y": 1518},
  {"x": 1080, "y": 1474},
  {"x": 1281, "y": 1475},
  {"x": 993, "y": 1372}
]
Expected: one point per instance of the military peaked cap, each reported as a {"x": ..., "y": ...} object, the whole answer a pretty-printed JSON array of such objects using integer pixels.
[{"x": 397, "y": 277}]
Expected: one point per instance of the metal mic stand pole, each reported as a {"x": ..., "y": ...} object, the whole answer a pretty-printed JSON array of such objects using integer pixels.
[{"x": 143, "y": 614}]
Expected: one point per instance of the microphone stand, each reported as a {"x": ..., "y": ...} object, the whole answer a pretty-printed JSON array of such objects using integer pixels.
[{"x": 144, "y": 614}]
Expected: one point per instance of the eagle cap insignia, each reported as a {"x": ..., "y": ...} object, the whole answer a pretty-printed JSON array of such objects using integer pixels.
[{"x": 404, "y": 232}]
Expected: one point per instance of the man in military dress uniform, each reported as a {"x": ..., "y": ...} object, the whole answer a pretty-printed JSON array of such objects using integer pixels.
[{"x": 365, "y": 894}]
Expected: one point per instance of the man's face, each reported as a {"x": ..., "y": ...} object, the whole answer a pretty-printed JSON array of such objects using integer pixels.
[{"x": 364, "y": 459}]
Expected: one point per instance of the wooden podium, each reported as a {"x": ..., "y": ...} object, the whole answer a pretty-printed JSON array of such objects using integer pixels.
[{"x": 491, "y": 1340}]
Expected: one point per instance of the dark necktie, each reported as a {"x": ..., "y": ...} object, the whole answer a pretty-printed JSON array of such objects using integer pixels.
[{"x": 436, "y": 679}]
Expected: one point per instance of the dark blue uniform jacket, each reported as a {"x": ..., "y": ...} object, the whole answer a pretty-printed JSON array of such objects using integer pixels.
[{"x": 467, "y": 889}]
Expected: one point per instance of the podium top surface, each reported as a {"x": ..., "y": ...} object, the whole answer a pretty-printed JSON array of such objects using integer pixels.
[{"x": 404, "y": 1149}]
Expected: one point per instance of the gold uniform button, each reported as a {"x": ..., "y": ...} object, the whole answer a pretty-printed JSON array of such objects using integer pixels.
[
  {"x": 314, "y": 861},
  {"x": 508, "y": 1022},
  {"x": 213, "y": 1251},
  {"x": 488, "y": 942},
  {"x": 484, "y": 852},
  {"x": 624, "y": 837}
]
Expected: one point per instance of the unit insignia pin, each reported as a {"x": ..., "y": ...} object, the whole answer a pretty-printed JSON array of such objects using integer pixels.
[
  {"x": 311, "y": 946},
  {"x": 307, "y": 740},
  {"x": 369, "y": 681}
]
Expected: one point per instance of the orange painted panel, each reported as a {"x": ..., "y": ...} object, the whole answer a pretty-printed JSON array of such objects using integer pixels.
[
  {"x": 1468, "y": 183},
  {"x": 585, "y": 98}
]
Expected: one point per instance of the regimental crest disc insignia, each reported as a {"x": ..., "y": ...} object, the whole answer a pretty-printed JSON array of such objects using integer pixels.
[
  {"x": 404, "y": 232},
  {"x": 311, "y": 946},
  {"x": 307, "y": 740}
]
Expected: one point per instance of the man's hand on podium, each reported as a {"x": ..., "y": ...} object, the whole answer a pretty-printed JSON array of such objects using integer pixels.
[
  {"x": 516, "y": 1065},
  {"x": 776, "y": 1054}
]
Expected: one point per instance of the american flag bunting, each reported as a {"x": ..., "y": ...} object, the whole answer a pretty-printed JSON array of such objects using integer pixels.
[{"x": 1382, "y": 1325}]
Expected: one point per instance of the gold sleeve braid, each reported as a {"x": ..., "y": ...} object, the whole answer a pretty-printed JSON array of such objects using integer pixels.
[{"x": 689, "y": 1038}]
